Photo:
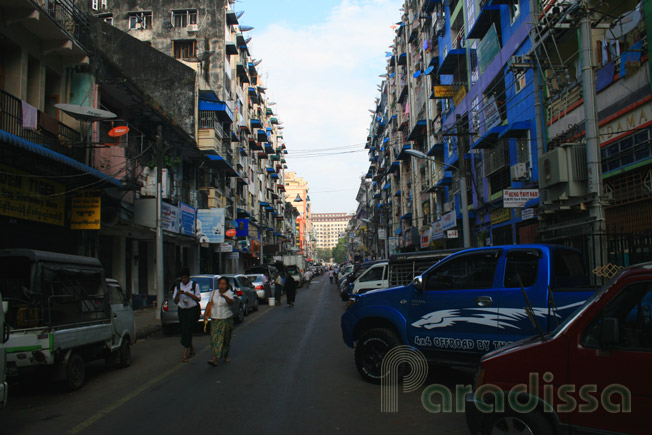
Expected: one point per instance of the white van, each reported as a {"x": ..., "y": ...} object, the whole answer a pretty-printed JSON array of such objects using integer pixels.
[{"x": 374, "y": 278}]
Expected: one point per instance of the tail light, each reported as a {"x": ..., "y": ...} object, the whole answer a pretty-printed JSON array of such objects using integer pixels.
[
  {"x": 260, "y": 287},
  {"x": 239, "y": 292},
  {"x": 165, "y": 306}
]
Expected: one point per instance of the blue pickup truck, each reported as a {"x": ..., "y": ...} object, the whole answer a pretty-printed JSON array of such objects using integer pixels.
[{"x": 467, "y": 304}]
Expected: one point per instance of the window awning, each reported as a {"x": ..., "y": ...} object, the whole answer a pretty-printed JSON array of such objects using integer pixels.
[
  {"x": 489, "y": 139},
  {"x": 255, "y": 146},
  {"x": 53, "y": 155},
  {"x": 219, "y": 163},
  {"x": 515, "y": 129},
  {"x": 406, "y": 216},
  {"x": 387, "y": 186},
  {"x": 488, "y": 15},
  {"x": 436, "y": 149},
  {"x": 398, "y": 193},
  {"x": 394, "y": 167},
  {"x": 446, "y": 180},
  {"x": 403, "y": 155},
  {"x": 429, "y": 5},
  {"x": 234, "y": 136},
  {"x": 243, "y": 152},
  {"x": 255, "y": 123},
  {"x": 402, "y": 59},
  {"x": 261, "y": 135},
  {"x": 419, "y": 130},
  {"x": 232, "y": 18},
  {"x": 453, "y": 60},
  {"x": 208, "y": 101},
  {"x": 231, "y": 49},
  {"x": 534, "y": 202}
]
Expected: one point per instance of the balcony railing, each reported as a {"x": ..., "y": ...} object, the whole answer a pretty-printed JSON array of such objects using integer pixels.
[
  {"x": 68, "y": 16},
  {"x": 208, "y": 119},
  {"x": 49, "y": 133}
]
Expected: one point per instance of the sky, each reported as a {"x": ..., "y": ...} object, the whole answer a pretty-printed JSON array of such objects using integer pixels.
[{"x": 321, "y": 62}]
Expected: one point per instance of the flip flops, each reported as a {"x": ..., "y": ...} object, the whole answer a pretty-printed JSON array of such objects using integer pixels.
[{"x": 212, "y": 363}]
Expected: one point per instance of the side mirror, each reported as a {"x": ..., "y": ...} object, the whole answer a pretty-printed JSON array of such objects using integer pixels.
[
  {"x": 417, "y": 282},
  {"x": 609, "y": 332}
]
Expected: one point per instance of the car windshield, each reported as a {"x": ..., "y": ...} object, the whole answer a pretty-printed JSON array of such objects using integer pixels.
[{"x": 205, "y": 283}]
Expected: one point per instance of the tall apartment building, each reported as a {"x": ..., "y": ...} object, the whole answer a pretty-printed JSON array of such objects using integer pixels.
[
  {"x": 296, "y": 193},
  {"x": 329, "y": 227},
  {"x": 499, "y": 158}
]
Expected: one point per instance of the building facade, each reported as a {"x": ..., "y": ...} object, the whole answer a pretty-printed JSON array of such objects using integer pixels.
[
  {"x": 329, "y": 228},
  {"x": 490, "y": 129}
]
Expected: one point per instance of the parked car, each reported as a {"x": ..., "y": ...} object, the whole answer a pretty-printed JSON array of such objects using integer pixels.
[
  {"x": 373, "y": 281},
  {"x": 594, "y": 367},
  {"x": 466, "y": 305},
  {"x": 206, "y": 283},
  {"x": 244, "y": 288},
  {"x": 257, "y": 281}
]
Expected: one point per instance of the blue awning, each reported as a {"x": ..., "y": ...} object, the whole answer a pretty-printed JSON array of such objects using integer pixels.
[
  {"x": 488, "y": 16},
  {"x": 277, "y": 233},
  {"x": 261, "y": 135},
  {"x": 446, "y": 180},
  {"x": 219, "y": 162},
  {"x": 270, "y": 170},
  {"x": 243, "y": 212},
  {"x": 402, "y": 59},
  {"x": 255, "y": 123},
  {"x": 419, "y": 130},
  {"x": 243, "y": 152},
  {"x": 402, "y": 155},
  {"x": 53, "y": 155},
  {"x": 436, "y": 148},
  {"x": 398, "y": 193},
  {"x": 515, "y": 129},
  {"x": 264, "y": 204},
  {"x": 453, "y": 60},
  {"x": 406, "y": 216},
  {"x": 395, "y": 166},
  {"x": 274, "y": 175},
  {"x": 387, "y": 186},
  {"x": 488, "y": 139},
  {"x": 222, "y": 110}
]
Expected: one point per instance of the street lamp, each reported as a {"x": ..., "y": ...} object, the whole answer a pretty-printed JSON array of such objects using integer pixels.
[{"x": 465, "y": 206}]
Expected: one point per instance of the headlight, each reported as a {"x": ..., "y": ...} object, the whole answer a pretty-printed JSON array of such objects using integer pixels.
[{"x": 352, "y": 300}]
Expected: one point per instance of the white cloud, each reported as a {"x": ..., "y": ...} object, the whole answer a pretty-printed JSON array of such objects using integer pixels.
[{"x": 323, "y": 78}]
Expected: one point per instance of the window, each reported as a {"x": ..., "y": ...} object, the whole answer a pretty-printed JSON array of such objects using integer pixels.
[
  {"x": 473, "y": 271},
  {"x": 373, "y": 274},
  {"x": 514, "y": 10},
  {"x": 631, "y": 308},
  {"x": 107, "y": 18},
  {"x": 185, "y": 49},
  {"x": 140, "y": 20},
  {"x": 522, "y": 268},
  {"x": 519, "y": 81},
  {"x": 104, "y": 6},
  {"x": 182, "y": 18},
  {"x": 94, "y": 5}
]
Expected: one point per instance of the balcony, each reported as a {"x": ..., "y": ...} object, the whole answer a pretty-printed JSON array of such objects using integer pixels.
[
  {"x": 60, "y": 25},
  {"x": 211, "y": 133},
  {"x": 50, "y": 133}
]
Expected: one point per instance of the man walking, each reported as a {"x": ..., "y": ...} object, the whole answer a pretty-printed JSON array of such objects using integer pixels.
[{"x": 290, "y": 288}]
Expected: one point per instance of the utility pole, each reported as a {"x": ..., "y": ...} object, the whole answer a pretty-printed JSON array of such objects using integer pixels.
[
  {"x": 461, "y": 153},
  {"x": 594, "y": 173},
  {"x": 159, "y": 216}
]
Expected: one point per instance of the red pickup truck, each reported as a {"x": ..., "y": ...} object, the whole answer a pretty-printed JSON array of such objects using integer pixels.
[{"x": 593, "y": 373}]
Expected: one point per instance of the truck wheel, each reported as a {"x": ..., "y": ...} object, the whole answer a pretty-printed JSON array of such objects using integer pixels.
[
  {"x": 125, "y": 353},
  {"x": 532, "y": 423},
  {"x": 370, "y": 350},
  {"x": 75, "y": 372}
]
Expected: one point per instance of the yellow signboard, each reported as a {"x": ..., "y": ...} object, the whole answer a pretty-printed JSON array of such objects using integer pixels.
[
  {"x": 25, "y": 196},
  {"x": 500, "y": 215},
  {"x": 85, "y": 211},
  {"x": 444, "y": 91},
  {"x": 460, "y": 93}
]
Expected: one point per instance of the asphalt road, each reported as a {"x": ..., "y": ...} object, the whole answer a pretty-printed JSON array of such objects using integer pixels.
[{"x": 291, "y": 374}]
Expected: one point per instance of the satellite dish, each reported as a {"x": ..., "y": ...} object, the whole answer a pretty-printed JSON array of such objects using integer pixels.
[
  {"x": 417, "y": 74},
  {"x": 118, "y": 131},
  {"x": 84, "y": 113},
  {"x": 428, "y": 70},
  {"x": 625, "y": 23},
  {"x": 246, "y": 28},
  {"x": 230, "y": 233}
]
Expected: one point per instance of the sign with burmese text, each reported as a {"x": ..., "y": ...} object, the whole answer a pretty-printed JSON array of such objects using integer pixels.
[
  {"x": 516, "y": 198},
  {"x": 25, "y": 196},
  {"x": 85, "y": 211}
]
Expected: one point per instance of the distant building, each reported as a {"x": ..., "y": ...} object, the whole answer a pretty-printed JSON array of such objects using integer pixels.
[{"x": 329, "y": 227}]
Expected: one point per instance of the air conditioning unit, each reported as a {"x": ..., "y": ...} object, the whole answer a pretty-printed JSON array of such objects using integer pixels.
[
  {"x": 193, "y": 27},
  {"x": 520, "y": 172}
]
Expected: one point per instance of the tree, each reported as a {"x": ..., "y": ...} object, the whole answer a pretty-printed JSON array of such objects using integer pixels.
[
  {"x": 324, "y": 254},
  {"x": 339, "y": 251}
]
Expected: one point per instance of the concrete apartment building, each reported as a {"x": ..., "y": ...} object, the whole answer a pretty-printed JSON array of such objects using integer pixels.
[
  {"x": 490, "y": 130},
  {"x": 329, "y": 227},
  {"x": 296, "y": 193}
]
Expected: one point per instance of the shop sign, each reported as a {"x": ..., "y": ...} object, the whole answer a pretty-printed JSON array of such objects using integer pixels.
[
  {"x": 170, "y": 217},
  {"x": 210, "y": 225},
  {"x": 25, "y": 197},
  {"x": 437, "y": 231},
  {"x": 226, "y": 247},
  {"x": 448, "y": 221},
  {"x": 500, "y": 215},
  {"x": 627, "y": 123},
  {"x": 444, "y": 91},
  {"x": 460, "y": 93},
  {"x": 188, "y": 218},
  {"x": 528, "y": 213},
  {"x": 425, "y": 238},
  {"x": 451, "y": 234},
  {"x": 85, "y": 211},
  {"x": 516, "y": 198}
]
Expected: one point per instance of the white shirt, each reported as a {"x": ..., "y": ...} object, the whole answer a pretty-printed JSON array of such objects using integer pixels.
[
  {"x": 221, "y": 308},
  {"x": 186, "y": 301}
]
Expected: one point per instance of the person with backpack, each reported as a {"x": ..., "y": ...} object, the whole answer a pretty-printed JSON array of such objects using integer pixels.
[{"x": 187, "y": 296}]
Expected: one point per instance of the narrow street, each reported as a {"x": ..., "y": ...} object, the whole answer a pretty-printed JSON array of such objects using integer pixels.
[{"x": 291, "y": 374}]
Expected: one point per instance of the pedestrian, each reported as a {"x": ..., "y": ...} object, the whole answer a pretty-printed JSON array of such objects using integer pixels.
[
  {"x": 278, "y": 288},
  {"x": 266, "y": 285},
  {"x": 307, "y": 277},
  {"x": 330, "y": 275},
  {"x": 290, "y": 288},
  {"x": 221, "y": 317},
  {"x": 187, "y": 296}
]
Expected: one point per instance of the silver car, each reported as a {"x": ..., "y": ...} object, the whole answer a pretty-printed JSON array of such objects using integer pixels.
[
  {"x": 206, "y": 283},
  {"x": 257, "y": 280}
]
